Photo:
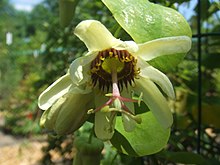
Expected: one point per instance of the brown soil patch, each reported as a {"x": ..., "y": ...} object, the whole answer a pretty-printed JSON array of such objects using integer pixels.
[{"x": 23, "y": 153}]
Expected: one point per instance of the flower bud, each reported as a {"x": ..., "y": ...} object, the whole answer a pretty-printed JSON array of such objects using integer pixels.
[
  {"x": 49, "y": 116},
  {"x": 67, "y": 114}
]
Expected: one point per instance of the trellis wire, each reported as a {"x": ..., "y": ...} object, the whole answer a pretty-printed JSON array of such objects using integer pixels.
[{"x": 199, "y": 77}]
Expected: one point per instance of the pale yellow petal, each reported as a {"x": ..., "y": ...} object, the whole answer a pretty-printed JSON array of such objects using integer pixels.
[
  {"x": 79, "y": 69},
  {"x": 56, "y": 90},
  {"x": 155, "y": 101},
  {"x": 95, "y": 35},
  {"x": 148, "y": 71},
  {"x": 164, "y": 46}
]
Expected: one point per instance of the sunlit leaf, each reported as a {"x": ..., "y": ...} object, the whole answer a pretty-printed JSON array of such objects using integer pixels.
[{"x": 145, "y": 21}]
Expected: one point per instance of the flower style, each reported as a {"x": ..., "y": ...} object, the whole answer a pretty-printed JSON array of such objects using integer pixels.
[{"x": 110, "y": 65}]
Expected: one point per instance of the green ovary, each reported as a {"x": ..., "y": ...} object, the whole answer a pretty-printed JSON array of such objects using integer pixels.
[{"x": 110, "y": 64}]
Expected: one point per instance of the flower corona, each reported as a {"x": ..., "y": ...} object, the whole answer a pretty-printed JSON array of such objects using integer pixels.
[{"x": 120, "y": 59}]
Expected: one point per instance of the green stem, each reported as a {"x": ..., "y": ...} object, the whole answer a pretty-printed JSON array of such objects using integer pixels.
[
  {"x": 88, "y": 153},
  {"x": 90, "y": 136},
  {"x": 114, "y": 158}
]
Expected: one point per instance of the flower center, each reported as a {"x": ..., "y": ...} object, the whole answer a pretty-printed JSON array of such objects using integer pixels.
[
  {"x": 106, "y": 60},
  {"x": 114, "y": 68}
]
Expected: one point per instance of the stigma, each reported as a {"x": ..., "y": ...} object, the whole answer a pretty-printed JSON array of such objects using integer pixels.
[{"x": 121, "y": 61}]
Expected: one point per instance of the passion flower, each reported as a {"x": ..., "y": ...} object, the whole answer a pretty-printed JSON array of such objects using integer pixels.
[{"x": 105, "y": 79}]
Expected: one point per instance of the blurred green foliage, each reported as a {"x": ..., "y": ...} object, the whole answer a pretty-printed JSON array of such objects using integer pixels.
[{"x": 42, "y": 51}]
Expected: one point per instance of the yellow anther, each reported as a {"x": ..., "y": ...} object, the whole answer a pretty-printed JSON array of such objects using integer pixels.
[
  {"x": 90, "y": 111},
  {"x": 109, "y": 94},
  {"x": 98, "y": 64},
  {"x": 94, "y": 69},
  {"x": 111, "y": 54},
  {"x": 102, "y": 58}
]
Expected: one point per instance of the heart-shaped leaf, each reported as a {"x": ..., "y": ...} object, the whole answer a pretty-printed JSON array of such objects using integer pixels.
[{"x": 148, "y": 137}]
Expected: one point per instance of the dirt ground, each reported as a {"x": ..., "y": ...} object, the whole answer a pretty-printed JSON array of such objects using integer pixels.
[
  {"x": 19, "y": 151},
  {"x": 25, "y": 151}
]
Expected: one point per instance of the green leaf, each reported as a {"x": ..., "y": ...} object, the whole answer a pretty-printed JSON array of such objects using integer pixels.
[
  {"x": 184, "y": 157},
  {"x": 145, "y": 21},
  {"x": 166, "y": 62},
  {"x": 147, "y": 138}
]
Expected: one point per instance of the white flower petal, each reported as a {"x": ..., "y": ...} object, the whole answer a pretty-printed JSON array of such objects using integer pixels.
[
  {"x": 156, "y": 76},
  {"x": 155, "y": 101},
  {"x": 95, "y": 35},
  {"x": 79, "y": 69},
  {"x": 56, "y": 90},
  {"x": 164, "y": 46}
]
